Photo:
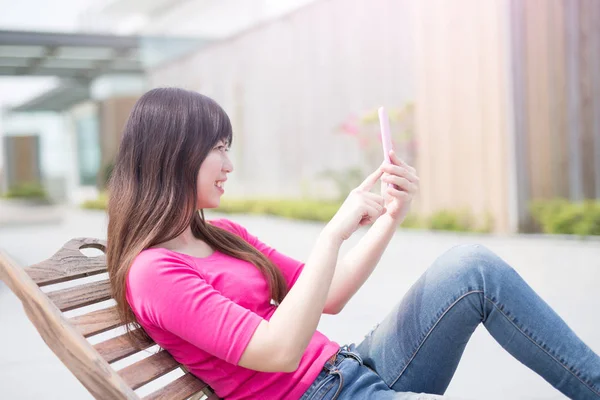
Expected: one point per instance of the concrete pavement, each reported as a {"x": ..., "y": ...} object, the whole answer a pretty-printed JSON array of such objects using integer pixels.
[
  {"x": 21, "y": 212},
  {"x": 566, "y": 273}
]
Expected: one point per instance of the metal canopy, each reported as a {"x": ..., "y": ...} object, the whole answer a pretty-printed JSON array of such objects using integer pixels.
[
  {"x": 66, "y": 55},
  {"x": 67, "y": 94},
  {"x": 77, "y": 55},
  {"x": 79, "y": 58}
]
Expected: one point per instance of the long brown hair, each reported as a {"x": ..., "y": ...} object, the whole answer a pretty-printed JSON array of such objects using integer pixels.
[{"x": 152, "y": 189}]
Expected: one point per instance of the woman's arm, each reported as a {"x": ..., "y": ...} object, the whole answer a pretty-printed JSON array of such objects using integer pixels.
[
  {"x": 279, "y": 344},
  {"x": 356, "y": 266}
]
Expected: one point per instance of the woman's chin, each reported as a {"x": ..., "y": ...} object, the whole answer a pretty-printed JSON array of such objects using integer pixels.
[{"x": 210, "y": 205}]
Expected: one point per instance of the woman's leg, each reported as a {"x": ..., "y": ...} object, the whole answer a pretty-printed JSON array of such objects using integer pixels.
[{"x": 418, "y": 346}]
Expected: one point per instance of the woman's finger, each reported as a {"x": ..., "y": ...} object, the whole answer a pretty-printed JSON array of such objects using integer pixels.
[
  {"x": 400, "y": 194},
  {"x": 375, "y": 197},
  {"x": 370, "y": 181},
  {"x": 400, "y": 171},
  {"x": 372, "y": 214},
  {"x": 375, "y": 204},
  {"x": 400, "y": 183},
  {"x": 396, "y": 160}
]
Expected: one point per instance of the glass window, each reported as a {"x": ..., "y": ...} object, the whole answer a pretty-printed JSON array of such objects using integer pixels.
[{"x": 88, "y": 149}]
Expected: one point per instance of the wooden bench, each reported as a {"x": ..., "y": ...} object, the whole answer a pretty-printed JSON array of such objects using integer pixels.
[{"x": 67, "y": 336}]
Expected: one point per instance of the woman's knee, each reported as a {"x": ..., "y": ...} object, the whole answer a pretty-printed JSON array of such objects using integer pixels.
[
  {"x": 469, "y": 251},
  {"x": 473, "y": 258}
]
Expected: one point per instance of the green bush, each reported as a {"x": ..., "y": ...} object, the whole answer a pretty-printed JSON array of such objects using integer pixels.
[
  {"x": 413, "y": 221},
  {"x": 559, "y": 216},
  {"x": 100, "y": 203},
  {"x": 446, "y": 220},
  {"x": 460, "y": 221},
  {"x": 323, "y": 211},
  {"x": 312, "y": 210},
  {"x": 27, "y": 191}
]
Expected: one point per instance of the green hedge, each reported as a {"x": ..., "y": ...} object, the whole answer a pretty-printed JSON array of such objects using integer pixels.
[
  {"x": 314, "y": 210},
  {"x": 27, "y": 191},
  {"x": 554, "y": 217},
  {"x": 459, "y": 221},
  {"x": 311, "y": 210},
  {"x": 560, "y": 216},
  {"x": 323, "y": 211},
  {"x": 101, "y": 203}
]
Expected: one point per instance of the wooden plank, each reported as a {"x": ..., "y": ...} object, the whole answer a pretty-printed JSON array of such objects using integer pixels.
[
  {"x": 557, "y": 135},
  {"x": 82, "y": 295},
  {"x": 538, "y": 98},
  {"x": 200, "y": 395},
  {"x": 585, "y": 86},
  {"x": 46, "y": 277},
  {"x": 69, "y": 263},
  {"x": 118, "y": 348},
  {"x": 97, "y": 321},
  {"x": 573, "y": 99},
  {"x": 180, "y": 389},
  {"x": 148, "y": 369},
  {"x": 213, "y": 396},
  {"x": 595, "y": 87},
  {"x": 64, "y": 340}
]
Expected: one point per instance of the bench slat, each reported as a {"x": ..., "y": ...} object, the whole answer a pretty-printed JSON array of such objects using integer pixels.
[
  {"x": 82, "y": 295},
  {"x": 69, "y": 263},
  {"x": 43, "y": 277},
  {"x": 180, "y": 389},
  {"x": 148, "y": 369},
  {"x": 119, "y": 347},
  {"x": 97, "y": 321},
  {"x": 66, "y": 342}
]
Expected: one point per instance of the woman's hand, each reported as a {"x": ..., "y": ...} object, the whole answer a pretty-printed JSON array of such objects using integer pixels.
[
  {"x": 405, "y": 183},
  {"x": 361, "y": 207}
]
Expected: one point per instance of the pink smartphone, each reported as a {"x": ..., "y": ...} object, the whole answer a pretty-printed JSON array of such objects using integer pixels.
[{"x": 386, "y": 137}]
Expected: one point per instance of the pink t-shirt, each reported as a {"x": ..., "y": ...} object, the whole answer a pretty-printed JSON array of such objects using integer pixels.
[{"x": 204, "y": 312}]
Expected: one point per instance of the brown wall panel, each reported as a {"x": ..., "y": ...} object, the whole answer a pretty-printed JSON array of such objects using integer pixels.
[
  {"x": 113, "y": 116},
  {"x": 586, "y": 82},
  {"x": 25, "y": 159}
]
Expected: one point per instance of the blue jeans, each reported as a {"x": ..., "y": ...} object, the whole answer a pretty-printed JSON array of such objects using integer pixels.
[{"x": 414, "y": 352}]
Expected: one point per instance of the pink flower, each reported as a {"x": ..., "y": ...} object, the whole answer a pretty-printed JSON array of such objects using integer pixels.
[
  {"x": 363, "y": 142},
  {"x": 351, "y": 126}
]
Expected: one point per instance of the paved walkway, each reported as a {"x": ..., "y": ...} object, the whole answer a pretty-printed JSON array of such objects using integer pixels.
[
  {"x": 566, "y": 273},
  {"x": 18, "y": 213}
]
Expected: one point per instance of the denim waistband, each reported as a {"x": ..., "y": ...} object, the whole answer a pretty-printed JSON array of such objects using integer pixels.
[
  {"x": 345, "y": 351},
  {"x": 330, "y": 369}
]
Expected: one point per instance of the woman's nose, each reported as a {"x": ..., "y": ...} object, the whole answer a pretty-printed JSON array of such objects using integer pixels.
[{"x": 227, "y": 165}]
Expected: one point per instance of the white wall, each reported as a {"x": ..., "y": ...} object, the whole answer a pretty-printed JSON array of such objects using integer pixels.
[
  {"x": 14, "y": 91},
  {"x": 108, "y": 86},
  {"x": 54, "y": 151},
  {"x": 288, "y": 85},
  {"x": 195, "y": 18}
]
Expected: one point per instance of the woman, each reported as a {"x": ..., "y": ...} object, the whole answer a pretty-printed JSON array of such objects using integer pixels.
[{"x": 243, "y": 317}]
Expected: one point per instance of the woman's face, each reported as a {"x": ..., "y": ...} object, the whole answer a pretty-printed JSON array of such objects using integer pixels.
[{"x": 212, "y": 176}]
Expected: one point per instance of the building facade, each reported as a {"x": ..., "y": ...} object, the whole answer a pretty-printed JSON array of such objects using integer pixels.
[{"x": 506, "y": 96}]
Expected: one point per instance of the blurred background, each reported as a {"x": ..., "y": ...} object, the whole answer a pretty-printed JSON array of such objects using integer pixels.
[{"x": 495, "y": 103}]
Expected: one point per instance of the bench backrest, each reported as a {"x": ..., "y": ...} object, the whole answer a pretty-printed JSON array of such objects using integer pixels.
[{"x": 67, "y": 336}]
